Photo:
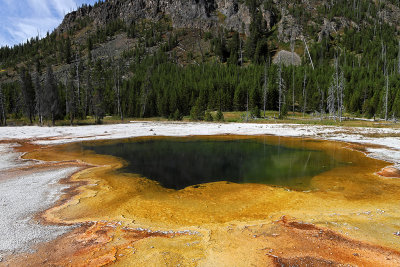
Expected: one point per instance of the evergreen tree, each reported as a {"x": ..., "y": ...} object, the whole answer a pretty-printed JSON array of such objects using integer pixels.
[
  {"x": 197, "y": 111},
  {"x": 3, "y": 115},
  {"x": 219, "y": 47},
  {"x": 28, "y": 93},
  {"x": 220, "y": 116},
  {"x": 256, "y": 45},
  {"x": 51, "y": 99},
  {"x": 39, "y": 95},
  {"x": 99, "y": 92},
  {"x": 67, "y": 51},
  {"x": 145, "y": 91},
  {"x": 208, "y": 117},
  {"x": 71, "y": 103},
  {"x": 234, "y": 49}
]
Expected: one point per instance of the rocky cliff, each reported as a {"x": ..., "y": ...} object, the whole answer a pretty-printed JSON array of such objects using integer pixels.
[{"x": 198, "y": 14}]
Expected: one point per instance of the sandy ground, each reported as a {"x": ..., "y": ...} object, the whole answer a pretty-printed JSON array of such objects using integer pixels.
[
  {"x": 23, "y": 193},
  {"x": 20, "y": 199},
  {"x": 10, "y": 158}
]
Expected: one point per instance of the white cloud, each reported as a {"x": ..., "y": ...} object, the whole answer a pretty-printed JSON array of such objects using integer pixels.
[
  {"x": 3, "y": 40},
  {"x": 22, "y": 19},
  {"x": 39, "y": 7},
  {"x": 63, "y": 7},
  {"x": 26, "y": 28}
]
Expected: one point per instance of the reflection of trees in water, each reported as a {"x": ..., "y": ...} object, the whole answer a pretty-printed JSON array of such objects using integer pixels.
[{"x": 176, "y": 163}]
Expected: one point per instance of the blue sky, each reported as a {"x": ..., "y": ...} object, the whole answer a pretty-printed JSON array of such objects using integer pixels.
[{"x": 22, "y": 19}]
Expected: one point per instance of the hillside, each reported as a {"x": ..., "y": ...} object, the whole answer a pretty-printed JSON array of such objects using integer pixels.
[{"x": 146, "y": 58}]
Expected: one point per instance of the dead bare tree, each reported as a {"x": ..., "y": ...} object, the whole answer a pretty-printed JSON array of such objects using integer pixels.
[
  {"x": 66, "y": 94},
  {"x": 146, "y": 89},
  {"x": 398, "y": 60},
  {"x": 332, "y": 98},
  {"x": 28, "y": 94},
  {"x": 247, "y": 105},
  {"x": 386, "y": 74},
  {"x": 199, "y": 45},
  {"x": 340, "y": 84},
  {"x": 335, "y": 92},
  {"x": 292, "y": 48},
  {"x": 78, "y": 80},
  {"x": 265, "y": 87},
  {"x": 72, "y": 100},
  {"x": 386, "y": 95},
  {"x": 304, "y": 93},
  {"x": 241, "y": 46},
  {"x": 52, "y": 105},
  {"x": 88, "y": 93},
  {"x": 117, "y": 79},
  {"x": 241, "y": 51},
  {"x": 340, "y": 90},
  {"x": 39, "y": 97},
  {"x": 336, "y": 84},
  {"x": 308, "y": 53},
  {"x": 88, "y": 108},
  {"x": 2, "y": 108},
  {"x": 281, "y": 88},
  {"x": 319, "y": 89}
]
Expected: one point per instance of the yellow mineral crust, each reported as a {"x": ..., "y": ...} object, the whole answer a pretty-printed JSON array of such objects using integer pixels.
[{"x": 351, "y": 218}]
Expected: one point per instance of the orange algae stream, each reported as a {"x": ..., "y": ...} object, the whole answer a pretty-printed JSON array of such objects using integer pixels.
[{"x": 350, "y": 199}]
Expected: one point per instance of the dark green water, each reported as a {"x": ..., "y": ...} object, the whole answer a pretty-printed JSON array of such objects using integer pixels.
[{"x": 178, "y": 162}]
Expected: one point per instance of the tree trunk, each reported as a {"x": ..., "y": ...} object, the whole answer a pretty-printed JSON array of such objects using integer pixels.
[
  {"x": 280, "y": 89},
  {"x": 398, "y": 60},
  {"x": 66, "y": 96},
  {"x": 338, "y": 91},
  {"x": 72, "y": 118},
  {"x": 119, "y": 95},
  {"x": 78, "y": 82},
  {"x": 247, "y": 106},
  {"x": 304, "y": 93},
  {"x": 386, "y": 97},
  {"x": 308, "y": 52},
  {"x": 265, "y": 91},
  {"x": 3, "y": 112},
  {"x": 292, "y": 47}
]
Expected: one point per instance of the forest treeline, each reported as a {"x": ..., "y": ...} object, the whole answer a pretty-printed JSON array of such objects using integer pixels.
[{"x": 356, "y": 71}]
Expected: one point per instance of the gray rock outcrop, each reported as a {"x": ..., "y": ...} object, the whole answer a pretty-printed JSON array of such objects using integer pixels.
[
  {"x": 199, "y": 14},
  {"x": 287, "y": 58}
]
